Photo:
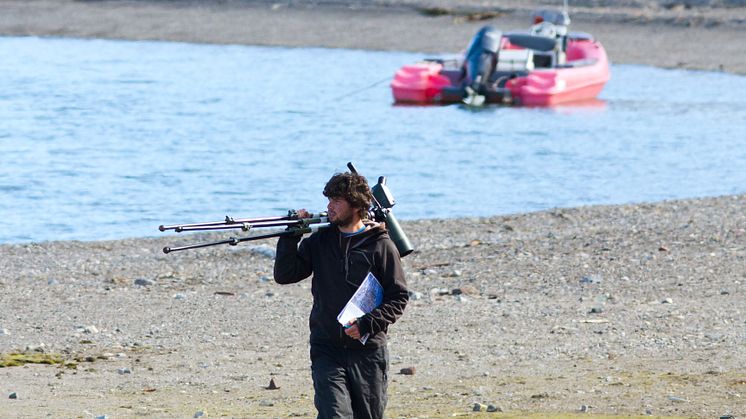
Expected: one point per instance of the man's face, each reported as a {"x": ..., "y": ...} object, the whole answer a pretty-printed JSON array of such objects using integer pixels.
[{"x": 340, "y": 212}]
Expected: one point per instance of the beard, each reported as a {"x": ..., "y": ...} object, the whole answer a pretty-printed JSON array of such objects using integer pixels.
[{"x": 341, "y": 221}]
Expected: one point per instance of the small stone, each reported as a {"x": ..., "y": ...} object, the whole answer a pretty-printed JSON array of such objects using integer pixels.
[
  {"x": 663, "y": 249},
  {"x": 667, "y": 301},
  {"x": 13, "y": 395},
  {"x": 493, "y": 408},
  {"x": 179, "y": 296},
  {"x": 199, "y": 414},
  {"x": 4, "y": 332},
  {"x": 584, "y": 408},
  {"x": 142, "y": 282},
  {"x": 53, "y": 281},
  {"x": 597, "y": 310},
  {"x": 36, "y": 348},
  {"x": 414, "y": 295},
  {"x": 465, "y": 290},
  {"x": 477, "y": 407},
  {"x": 677, "y": 399},
  {"x": 101, "y": 417},
  {"x": 122, "y": 371},
  {"x": 591, "y": 279},
  {"x": 90, "y": 329},
  {"x": 407, "y": 371},
  {"x": 272, "y": 385},
  {"x": 266, "y": 403}
]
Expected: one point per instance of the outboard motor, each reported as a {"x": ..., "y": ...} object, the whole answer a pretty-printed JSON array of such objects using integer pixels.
[{"x": 479, "y": 64}]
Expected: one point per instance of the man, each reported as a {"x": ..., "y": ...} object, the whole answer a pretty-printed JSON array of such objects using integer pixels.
[{"x": 349, "y": 377}]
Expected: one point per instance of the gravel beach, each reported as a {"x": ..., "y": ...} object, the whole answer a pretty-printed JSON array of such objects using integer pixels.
[
  {"x": 635, "y": 309},
  {"x": 607, "y": 310}
]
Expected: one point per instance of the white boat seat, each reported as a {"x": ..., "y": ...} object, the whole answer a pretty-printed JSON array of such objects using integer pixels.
[{"x": 515, "y": 60}]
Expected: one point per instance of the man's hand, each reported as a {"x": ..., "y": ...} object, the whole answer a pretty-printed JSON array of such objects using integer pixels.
[
  {"x": 352, "y": 330},
  {"x": 303, "y": 213}
]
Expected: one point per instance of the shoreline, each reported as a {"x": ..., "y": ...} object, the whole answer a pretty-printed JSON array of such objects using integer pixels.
[{"x": 689, "y": 38}]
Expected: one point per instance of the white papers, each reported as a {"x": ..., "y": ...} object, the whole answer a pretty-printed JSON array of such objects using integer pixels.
[{"x": 368, "y": 296}]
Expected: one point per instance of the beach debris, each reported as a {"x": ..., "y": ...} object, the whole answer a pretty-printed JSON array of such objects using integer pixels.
[
  {"x": 142, "y": 282},
  {"x": 540, "y": 396},
  {"x": 407, "y": 371},
  {"x": 13, "y": 395},
  {"x": 101, "y": 417},
  {"x": 225, "y": 293},
  {"x": 677, "y": 399},
  {"x": 663, "y": 249},
  {"x": 272, "y": 385}
]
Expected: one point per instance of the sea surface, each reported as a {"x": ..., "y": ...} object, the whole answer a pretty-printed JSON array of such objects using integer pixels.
[{"x": 105, "y": 139}]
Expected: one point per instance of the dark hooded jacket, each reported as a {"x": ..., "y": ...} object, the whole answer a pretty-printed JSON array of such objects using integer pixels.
[{"x": 339, "y": 265}]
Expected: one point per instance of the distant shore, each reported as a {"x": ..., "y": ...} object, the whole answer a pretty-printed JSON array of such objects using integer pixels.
[{"x": 652, "y": 33}]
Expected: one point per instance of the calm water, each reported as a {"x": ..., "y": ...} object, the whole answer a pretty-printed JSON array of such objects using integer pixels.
[{"x": 109, "y": 139}]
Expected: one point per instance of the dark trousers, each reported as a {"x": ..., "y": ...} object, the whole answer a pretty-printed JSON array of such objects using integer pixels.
[{"x": 349, "y": 383}]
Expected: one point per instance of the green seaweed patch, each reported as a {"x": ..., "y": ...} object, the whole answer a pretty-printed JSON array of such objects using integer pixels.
[{"x": 21, "y": 359}]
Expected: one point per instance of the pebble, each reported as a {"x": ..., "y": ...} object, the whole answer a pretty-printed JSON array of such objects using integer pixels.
[
  {"x": 179, "y": 296},
  {"x": 199, "y": 414},
  {"x": 124, "y": 371},
  {"x": 142, "y": 282},
  {"x": 53, "y": 281},
  {"x": 591, "y": 279},
  {"x": 4, "y": 332},
  {"x": 677, "y": 399},
  {"x": 667, "y": 301},
  {"x": 407, "y": 371},
  {"x": 415, "y": 295},
  {"x": 477, "y": 407},
  {"x": 493, "y": 408},
  {"x": 13, "y": 395},
  {"x": 90, "y": 329}
]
